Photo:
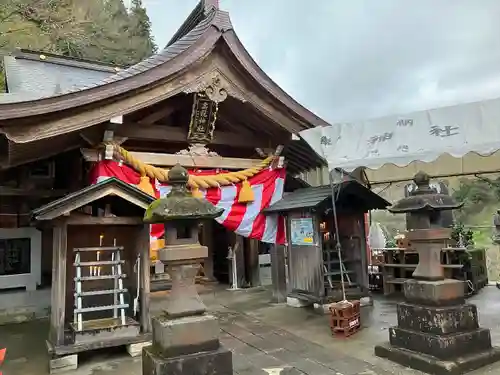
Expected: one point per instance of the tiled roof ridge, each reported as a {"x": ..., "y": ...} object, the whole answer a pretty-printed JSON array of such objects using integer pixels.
[{"x": 51, "y": 58}]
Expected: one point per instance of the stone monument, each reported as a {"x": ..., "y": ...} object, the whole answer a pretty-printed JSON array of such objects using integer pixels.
[
  {"x": 437, "y": 331},
  {"x": 185, "y": 338}
]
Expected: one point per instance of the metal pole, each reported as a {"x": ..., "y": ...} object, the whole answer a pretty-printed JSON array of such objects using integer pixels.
[{"x": 338, "y": 247}]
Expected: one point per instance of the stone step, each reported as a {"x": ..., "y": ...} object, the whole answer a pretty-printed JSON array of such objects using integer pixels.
[
  {"x": 437, "y": 320},
  {"x": 443, "y": 347}
]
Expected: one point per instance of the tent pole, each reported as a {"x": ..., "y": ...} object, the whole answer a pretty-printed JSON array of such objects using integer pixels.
[{"x": 335, "y": 222}]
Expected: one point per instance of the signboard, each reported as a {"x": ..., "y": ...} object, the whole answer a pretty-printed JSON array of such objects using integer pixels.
[
  {"x": 418, "y": 136},
  {"x": 203, "y": 116},
  {"x": 302, "y": 232}
]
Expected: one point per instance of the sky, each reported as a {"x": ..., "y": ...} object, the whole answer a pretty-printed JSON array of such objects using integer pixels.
[{"x": 349, "y": 60}]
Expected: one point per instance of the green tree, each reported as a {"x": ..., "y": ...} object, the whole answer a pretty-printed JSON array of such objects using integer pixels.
[
  {"x": 476, "y": 194},
  {"x": 141, "y": 27},
  {"x": 100, "y": 30}
]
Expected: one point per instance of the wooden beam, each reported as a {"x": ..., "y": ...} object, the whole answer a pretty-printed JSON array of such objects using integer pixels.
[
  {"x": 177, "y": 134},
  {"x": 157, "y": 115},
  {"x": 93, "y": 135},
  {"x": 97, "y": 134},
  {"x": 187, "y": 161},
  {"x": 20, "y": 192},
  {"x": 96, "y": 220}
]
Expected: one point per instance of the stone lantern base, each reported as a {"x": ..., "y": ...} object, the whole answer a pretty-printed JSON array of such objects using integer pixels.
[
  {"x": 185, "y": 338},
  {"x": 437, "y": 332},
  {"x": 187, "y": 346}
]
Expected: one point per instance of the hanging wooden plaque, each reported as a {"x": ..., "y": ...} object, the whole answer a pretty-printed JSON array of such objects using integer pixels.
[{"x": 203, "y": 117}]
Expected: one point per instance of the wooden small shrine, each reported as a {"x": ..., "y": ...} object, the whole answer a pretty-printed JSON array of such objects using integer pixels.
[
  {"x": 314, "y": 265},
  {"x": 100, "y": 290}
]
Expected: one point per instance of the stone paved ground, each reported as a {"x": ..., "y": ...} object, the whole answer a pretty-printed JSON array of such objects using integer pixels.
[{"x": 261, "y": 336}]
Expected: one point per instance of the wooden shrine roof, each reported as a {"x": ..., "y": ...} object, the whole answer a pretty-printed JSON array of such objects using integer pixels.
[
  {"x": 204, "y": 46},
  {"x": 31, "y": 75},
  {"x": 186, "y": 48},
  {"x": 352, "y": 192},
  {"x": 109, "y": 187}
]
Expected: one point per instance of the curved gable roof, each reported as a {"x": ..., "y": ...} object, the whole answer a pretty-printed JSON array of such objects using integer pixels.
[{"x": 189, "y": 44}]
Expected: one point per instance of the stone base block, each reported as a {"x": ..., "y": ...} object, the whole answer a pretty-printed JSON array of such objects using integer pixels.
[
  {"x": 322, "y": 308},
  {"x": 296, "y": 302},
  {"x": 183, "y": 252},
  {"x": 63, "y": 364},
  {"x": 135, "y": 350},
  {"x": 442, "y": 347},
  {"x": 217, "y": 362},
  {"x": 366, "y": 301},
  {"x": 186, "y": 335},
  {"x": 434, "y": 293},
  {"x": 437, "y": 320},
  {"x": 434, "y": 366}
]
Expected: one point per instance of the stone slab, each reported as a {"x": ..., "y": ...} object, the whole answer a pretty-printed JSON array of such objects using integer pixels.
[
  {"x": 323, "y": 309},
  {"x": 63, "y": 364},
  {"x": 218, "y": 362},
  {"x": 296, "y": 302},
  {"x": 135, "y": 350},
  {"x": 434, "y": 293},
  {"x": 186, "y": 335},
  {"x": 432, "y": 365},
  {"x": 437, "y": 320},
  {"x": 172, "y": 253},
  {"x": 444, "y": 347}
]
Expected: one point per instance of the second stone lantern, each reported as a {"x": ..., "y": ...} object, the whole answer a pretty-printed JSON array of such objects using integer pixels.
[
  {"x": 437, "y": 331},
  {"x": 185, "y": 338}
]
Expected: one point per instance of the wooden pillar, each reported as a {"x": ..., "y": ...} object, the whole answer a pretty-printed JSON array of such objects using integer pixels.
[
  {"x": 252, "y": 262},
  {"x": 58, "y": 292},
  {"x": 143, "y": 243},
  {"x": 278, "y": 273}
]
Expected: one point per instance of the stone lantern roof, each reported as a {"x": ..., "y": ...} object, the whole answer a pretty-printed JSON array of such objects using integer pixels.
[
  {"x": 179, "y": 204},
  {"x": 424, "y": 198}
]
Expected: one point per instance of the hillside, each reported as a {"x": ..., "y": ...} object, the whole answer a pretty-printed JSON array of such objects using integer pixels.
[{"x": 100, "y": 30}]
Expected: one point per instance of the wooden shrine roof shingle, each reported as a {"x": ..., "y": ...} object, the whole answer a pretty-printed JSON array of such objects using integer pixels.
[
  {"x": 194, "y": 18},
  {"x": 310, "y": 198},
  {"x": 50, "y": 58},
  {"x": 54, "y": 208},
  {"x": 32, "y": 75}
]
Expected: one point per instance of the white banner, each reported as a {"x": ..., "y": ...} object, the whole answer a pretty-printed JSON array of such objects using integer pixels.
[{"x": 400, "y": 140}]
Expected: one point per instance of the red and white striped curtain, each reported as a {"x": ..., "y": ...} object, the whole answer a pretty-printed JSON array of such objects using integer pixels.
[{"x": 245, "y": 219}]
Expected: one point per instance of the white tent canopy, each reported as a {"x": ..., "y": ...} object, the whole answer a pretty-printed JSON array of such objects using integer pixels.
[{"x": 400, "y": 140}]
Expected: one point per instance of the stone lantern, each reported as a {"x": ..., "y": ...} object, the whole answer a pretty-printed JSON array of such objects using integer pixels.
[
  {"x": 185, "y": 338},
  {"x": 424, "y": 208},
  {"x": 437, "y": 331}
]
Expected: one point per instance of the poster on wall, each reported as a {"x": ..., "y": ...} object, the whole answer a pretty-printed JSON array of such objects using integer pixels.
[{"x": 302, "y": 232}]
